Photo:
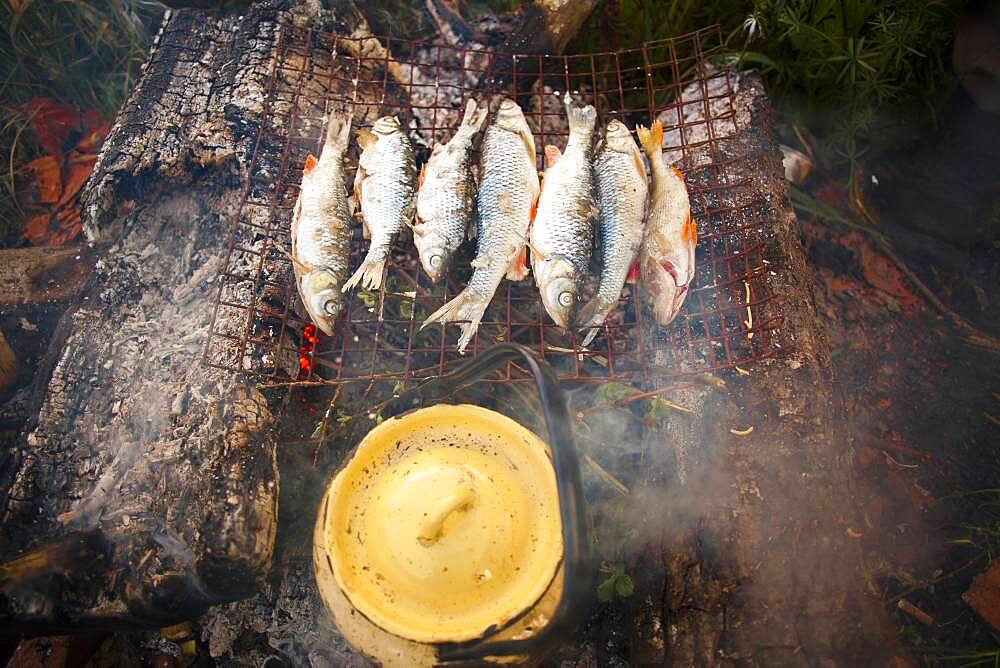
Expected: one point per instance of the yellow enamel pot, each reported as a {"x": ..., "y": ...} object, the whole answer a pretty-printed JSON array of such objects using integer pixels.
[{"x": 444, "y": 536}]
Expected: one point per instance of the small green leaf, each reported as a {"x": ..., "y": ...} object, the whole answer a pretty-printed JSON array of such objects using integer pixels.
[
  {"x": 893, "y": 307},
  {"x": 611, "y": 392},
  {"x": 606, "y": 590},
  {"x": 624, "y": 586}
]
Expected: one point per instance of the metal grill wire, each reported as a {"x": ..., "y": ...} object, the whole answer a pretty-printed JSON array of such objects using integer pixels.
[{"x": 257, "y": 327}]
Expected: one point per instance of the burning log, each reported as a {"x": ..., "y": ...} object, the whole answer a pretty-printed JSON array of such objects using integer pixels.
[{"x": 145, "y": 488}]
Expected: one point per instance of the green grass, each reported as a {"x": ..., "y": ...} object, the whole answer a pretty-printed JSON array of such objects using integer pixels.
[{"x": 84, "y": 54}]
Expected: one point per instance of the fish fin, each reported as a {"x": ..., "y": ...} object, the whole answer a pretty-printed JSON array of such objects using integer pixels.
[
  {"x": 406, "y": 221},
  {"x": 518, "y": 270},
  {"x": 633, "y": 273},
  {"x": 689, "y": 233},
  {"x": 310, "y": 164},
  {"x": 474, "y": 116},
  {"x": 338, "y": 132},
  {"x": 304, "y": 268},
  {"x": 651, "y": 139},
  {"x": 369, "y": 274},
  {"x": 366, "y": 138},
  {"x": 462, "y": 307},
  {"x": 580, "y": 118},
  {"x": 678, "y": 173},
  {"x": 534, "y": 205},
  {"x": 529, "y": 144},
  {"x": 420, "y": 177},
  {"x": 637, "y": 157},
  {"x": 552, "y": 155}
]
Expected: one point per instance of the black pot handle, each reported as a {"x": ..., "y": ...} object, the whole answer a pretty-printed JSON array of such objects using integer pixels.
[{"x": 577, "y": 565}]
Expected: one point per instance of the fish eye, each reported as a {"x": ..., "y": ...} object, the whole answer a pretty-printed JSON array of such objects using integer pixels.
[
  {"x": 330, "y": 307},
  {"x": 565, "y": 298},
  {"x": 435, "y": 261}
]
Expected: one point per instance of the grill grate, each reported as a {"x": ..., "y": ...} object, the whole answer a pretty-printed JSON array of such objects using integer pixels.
[{"x": 256, "y": 327}]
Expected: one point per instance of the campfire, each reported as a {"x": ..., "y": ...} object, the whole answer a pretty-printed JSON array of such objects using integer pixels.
[{"x": 193, "y": 436}]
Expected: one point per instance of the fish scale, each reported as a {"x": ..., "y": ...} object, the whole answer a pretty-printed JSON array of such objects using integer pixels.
[
  {"x": 562, "y": 232},
  {"x": 620, "y": 184},
  {"x": 385, "y": 184},
  {"x": 321, "y": 228},
  {"x": 446, "y": 196},
  {"x": 508, "y": 189}
]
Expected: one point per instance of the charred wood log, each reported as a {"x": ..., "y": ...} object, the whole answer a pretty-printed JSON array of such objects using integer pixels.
[{"x": 145, "y": 488}]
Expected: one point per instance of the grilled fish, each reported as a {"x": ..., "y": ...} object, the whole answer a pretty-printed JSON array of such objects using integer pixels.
[
  {"x": 446, "y": 195},
  {"x": 384, "y": 186},
  {"x": 620, "y": 180},
  {"x": 666, "y": 258},
  {"x": 507, "y": 195},
  {"x": 562, "y": 231},
  {"x": 321, "y": 228}
]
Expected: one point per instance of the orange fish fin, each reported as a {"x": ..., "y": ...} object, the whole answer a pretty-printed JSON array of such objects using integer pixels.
[
  {"x": 534, "y": 205},
  {"x": 689, "y": 232},
  {"x": 420, "y": 178},
  {"x": 656, "y": 133},
  {"x": 519, "y": 267},
  {"x": 633, "y": 273},
  {"x": 678, "y": 173},
  {"x": 637, "y": 156},
  {"x": 310, "y": 165},
  {"x": 552, "y": 155}
]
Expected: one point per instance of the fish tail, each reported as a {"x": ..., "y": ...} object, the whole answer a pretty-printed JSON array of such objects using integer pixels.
[
  {"x": 475, "y": 115},
  {"x": 338, "y": 132},
  {"x": 581, "y": 119},
  {"x": 466, "y": 306},
  {"x": 651, "y": 139},
  {"x": 369, "y": 274}
]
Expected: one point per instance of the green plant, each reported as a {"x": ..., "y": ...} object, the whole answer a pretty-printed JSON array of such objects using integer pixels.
[
  {"x": 616, "y": 584},
  {"x": 84, "y": 54},
  {"x": 850, "y": 67}
]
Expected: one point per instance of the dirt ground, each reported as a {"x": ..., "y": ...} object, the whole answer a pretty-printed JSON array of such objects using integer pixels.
[{"x": 922, "y": 406}]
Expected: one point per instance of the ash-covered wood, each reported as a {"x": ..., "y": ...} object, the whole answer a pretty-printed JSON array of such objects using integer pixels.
[{"x": 146, "y": 488}]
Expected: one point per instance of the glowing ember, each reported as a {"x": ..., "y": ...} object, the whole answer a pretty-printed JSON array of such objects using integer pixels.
[{"x": 310, "y": 337}]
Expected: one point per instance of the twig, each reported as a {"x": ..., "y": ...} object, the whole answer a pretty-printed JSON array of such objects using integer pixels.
[
  {"x": 906, "y": 592},
  {"x": 915, "y": 612},
  {"x": 971, "y": 334},
  {"x": 605, "y": 476}
]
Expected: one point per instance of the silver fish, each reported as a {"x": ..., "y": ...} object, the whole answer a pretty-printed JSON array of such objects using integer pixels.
[
  {"x": 666, "y": 258},
  {"x": 321, "y": 228},
  {"x": 384, "y": 186},
  {"x": 562, "y": 232},
  {"x": 446, "y": 195},
  {"x": 507, "y": 195},
  {"x": 620, "y": 180}
]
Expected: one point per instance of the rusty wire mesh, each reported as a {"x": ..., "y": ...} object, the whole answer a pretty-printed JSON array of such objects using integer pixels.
[{"x": 258, "y": 326}]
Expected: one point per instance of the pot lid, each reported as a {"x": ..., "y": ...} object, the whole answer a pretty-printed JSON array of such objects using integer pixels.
[{"x": 445, "y": 523}]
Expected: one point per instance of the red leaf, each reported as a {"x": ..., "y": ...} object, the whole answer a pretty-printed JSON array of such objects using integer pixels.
[
  {"x": 79, "y": 169},
  {"x": 48, "y": 179},
  {"x": 94, "y": 132},
  {"x": 68, "y": 227},
  {"x": 36, "y": 230},
  {"x": 51, "y": 122}
]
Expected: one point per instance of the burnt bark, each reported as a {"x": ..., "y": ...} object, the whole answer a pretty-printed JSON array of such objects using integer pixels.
[{"x": 145, "y": 487}]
